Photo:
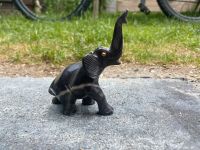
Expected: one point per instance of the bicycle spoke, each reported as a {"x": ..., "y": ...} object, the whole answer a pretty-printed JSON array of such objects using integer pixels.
[
  {"x": 49, "y": 9},
  {"x": 186, "y": 7},
  {"x": 197, "y": 6},
  {"x": 185, "y": 10}
]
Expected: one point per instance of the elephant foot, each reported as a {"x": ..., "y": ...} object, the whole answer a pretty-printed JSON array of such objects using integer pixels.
[
  {"x": 70, "y": 111},
  {"x": 106, "y": 111},
  {"x": 55, "y": 101},
  {"x": 88, "y": 101}
]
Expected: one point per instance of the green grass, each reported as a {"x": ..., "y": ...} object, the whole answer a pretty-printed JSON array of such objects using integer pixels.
[{"x": 152, "y": 39}]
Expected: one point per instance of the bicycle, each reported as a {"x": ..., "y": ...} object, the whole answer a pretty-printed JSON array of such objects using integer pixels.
[
  {"x": 186, "y": 10},
  {"x": 48, "y": 9}
]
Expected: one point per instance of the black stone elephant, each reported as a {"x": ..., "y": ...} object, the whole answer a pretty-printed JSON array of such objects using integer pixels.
[{"x": 80, "y": 80}]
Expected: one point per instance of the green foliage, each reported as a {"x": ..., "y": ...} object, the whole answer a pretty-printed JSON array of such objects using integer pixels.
[
  {"x": 54, "y": 8},
  {"x": 60, "y": 5},
  {"x": 152, "y": 39}
]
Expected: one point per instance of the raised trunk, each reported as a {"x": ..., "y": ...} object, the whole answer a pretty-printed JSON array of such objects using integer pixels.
[{"x": 117, "y": 41}]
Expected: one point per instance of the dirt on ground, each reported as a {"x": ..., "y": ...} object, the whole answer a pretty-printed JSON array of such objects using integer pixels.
[{"x": 130, "y": 70}]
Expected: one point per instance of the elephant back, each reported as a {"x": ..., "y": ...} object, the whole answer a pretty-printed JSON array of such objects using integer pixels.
[{"x": 65, "y": 79}]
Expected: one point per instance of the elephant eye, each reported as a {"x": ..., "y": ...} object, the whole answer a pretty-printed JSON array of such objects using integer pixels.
[{"x": 103, "y": 54}]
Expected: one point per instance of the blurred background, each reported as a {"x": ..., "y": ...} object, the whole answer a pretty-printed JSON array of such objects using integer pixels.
[{"x": 149, "y": 40}]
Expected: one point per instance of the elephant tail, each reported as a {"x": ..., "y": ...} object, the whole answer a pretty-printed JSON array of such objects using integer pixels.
[{"x": 51, "y": 92}]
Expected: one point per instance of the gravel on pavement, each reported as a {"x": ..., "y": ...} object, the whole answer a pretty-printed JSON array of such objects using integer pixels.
[{"x": 148, "y": 114}]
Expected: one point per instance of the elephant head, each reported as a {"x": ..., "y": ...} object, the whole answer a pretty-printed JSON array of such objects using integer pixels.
[{"x": 95, "y": 62}]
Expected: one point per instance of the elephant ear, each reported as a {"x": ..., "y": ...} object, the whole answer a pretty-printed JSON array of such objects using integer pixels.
[{"x": 92, "y": 66}]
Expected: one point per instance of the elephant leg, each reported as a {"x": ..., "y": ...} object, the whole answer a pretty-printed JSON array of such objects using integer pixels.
[
  {"x": 55, "y": 101},
  {"x": 69, "y": 106},
  {"x": 97, "y": 94},
  {"x": 88, "y": 101}
]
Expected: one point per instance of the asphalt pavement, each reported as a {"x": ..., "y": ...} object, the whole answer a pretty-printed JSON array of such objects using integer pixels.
[{"x": 148, "y": 114}]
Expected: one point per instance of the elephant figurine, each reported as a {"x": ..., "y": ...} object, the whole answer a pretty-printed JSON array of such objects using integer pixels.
[{"x": 81, "y": 80}]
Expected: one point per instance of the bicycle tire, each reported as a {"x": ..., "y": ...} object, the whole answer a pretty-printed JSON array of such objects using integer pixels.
[
  {"x": 77, "y": 11},
  {"x": 170, "y": 12}
]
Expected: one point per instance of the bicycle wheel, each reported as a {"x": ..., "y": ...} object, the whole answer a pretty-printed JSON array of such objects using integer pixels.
[
  {"x": 186, "y": 10},
  {"x": 52, "y": 9}
]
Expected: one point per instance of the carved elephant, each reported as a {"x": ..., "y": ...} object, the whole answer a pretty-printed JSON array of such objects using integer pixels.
[{"x": 81, "y": 80}]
